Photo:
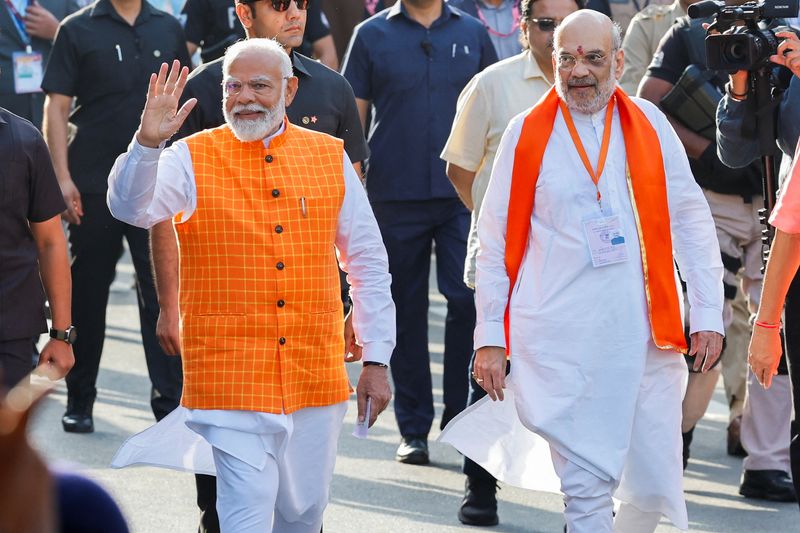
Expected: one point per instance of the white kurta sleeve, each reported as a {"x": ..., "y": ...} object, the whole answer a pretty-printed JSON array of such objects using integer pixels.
[
  {"x": 363, "y": 256},
  {"x": 694, "y": 237},
  {"x": 491, "y": 278},
  {"x": 149, "y": 185}
]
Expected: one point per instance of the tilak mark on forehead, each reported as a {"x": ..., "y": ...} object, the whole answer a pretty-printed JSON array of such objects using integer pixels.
[{"x": 580, "y": 50}]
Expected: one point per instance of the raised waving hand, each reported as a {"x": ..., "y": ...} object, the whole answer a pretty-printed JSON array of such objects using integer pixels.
[{"x": 161, "y": 117}]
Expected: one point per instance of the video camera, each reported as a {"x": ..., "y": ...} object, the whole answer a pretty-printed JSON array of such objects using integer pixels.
[{"x": 750, "y": 43}]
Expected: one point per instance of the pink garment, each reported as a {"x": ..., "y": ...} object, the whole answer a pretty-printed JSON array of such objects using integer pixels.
[{"x": 786, "y": 215}]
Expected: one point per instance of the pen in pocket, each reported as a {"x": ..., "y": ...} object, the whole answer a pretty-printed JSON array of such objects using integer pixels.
[{"x": 303, "y": 206}]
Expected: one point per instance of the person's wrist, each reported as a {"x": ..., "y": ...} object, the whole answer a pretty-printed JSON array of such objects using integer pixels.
[
  {"x": 374, "y": 364},
  {"x": 767, "y": 324},
  {"x": 737, "y": 91},
  {"x": 146, "y": 141}
]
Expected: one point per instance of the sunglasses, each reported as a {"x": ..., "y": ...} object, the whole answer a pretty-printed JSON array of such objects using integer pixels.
[
  {"x": 546, "y": 23},
  {"x": 282, "y": 5}
]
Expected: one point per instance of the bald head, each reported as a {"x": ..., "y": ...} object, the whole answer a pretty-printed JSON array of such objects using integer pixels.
[
  {"x": 587, "y": 60},
  {"x": 589, "y": 24}
]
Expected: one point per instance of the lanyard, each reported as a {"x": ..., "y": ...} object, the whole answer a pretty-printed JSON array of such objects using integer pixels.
[
  {"x": 579, "y": 145},
  {"x": 492, "y": 31},
  {"x": 19, "y": 22}
]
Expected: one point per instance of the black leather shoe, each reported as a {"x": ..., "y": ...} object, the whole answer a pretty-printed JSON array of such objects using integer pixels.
[
  {"x": 773, "y": 485},
  {"x": 687, "y": 442},
  {"x": 479, "y": 506},
  {"x": 78, "y": 418},
  {"x": 413, "y": 450}
]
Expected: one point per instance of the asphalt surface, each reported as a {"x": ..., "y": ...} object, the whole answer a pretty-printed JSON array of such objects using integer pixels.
[{"x": 371, "y": 492}]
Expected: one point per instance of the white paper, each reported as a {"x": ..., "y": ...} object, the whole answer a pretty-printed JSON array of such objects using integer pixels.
[
  {"x": 361, "y": 429},
  {"x": 606, "y": 241}
]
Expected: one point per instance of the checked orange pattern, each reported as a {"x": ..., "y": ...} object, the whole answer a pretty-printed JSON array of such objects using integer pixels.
[{"x": 259, "y": 286}]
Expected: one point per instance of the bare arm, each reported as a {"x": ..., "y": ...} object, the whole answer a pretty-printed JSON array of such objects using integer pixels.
[
  {"x": 164, "y": 248},
  {"x": 363, "y": 108},
  {"x": 191, "y": 47},
  {"x": 56, "y": 358},
  {"x": 56, "y": 119},
  {"x": 654, "y": 89},
  {"x": 765, "y": 345},
  {"x": 325, "y": 52},
  {"x": 462, "y": 180}
]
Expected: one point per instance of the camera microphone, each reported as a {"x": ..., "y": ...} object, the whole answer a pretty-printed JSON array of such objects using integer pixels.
[
  {"x": 704, "y": 9},
  {"x": 427, "y": 47}
]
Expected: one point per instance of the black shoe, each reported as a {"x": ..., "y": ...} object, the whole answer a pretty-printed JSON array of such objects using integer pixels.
[
  {"x": 413, "y": 450},
  {"x": 78, "y": 418},
  {"x": 773, "y": 485},
  {"x": 734, "y": 443},
  {"x": 687, "y": 442},
  {"x": 479, "y": 507}
]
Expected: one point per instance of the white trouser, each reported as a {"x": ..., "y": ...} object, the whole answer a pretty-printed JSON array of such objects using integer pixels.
[
  {"x": 589, "y": 507},
  {"x": 290, "y": 492}
]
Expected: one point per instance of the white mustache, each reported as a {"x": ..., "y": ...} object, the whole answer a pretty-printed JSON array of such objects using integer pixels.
[
  {"x": 249, "y": 107},
  {"x": 582, "y": 83}
]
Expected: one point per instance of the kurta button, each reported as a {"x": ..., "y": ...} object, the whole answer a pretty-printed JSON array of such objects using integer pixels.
[
  {"x": 281, "y": 303},
  {"x": 275, "y": 193},
  {"x": 278, "y": 229},
  {"x": 282, "y": 340},
  {"x": 268, "y": 159},
  {"x": 279, "y": 266}
]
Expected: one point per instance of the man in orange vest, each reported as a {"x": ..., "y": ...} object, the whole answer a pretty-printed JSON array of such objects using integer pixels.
[
  {"x": 590, "y": 194},
  {"x": 259, "y": 205}
]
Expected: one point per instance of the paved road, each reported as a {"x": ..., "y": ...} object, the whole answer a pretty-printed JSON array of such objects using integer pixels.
[{"x": 371, "y": 492}]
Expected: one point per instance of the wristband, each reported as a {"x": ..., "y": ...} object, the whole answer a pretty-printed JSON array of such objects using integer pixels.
[
  {"x": 375, "y": 363},
  {"x": 735, "y": 96},
  {"x": 767, "y": 325}
]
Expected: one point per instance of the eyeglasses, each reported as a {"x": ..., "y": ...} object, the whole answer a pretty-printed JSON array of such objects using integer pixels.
[
  {"x": 234, "y": 87},
  {"x": 546, "y": 23},
  {"x": 592, "y": 60},
  {"x": 282, "y": 5}
]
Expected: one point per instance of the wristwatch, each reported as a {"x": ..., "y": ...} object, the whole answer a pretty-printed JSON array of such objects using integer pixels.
[{"x": 68, "y": 335}]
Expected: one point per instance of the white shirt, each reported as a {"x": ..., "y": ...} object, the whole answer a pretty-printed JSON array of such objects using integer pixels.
[{"x": 150, "y": 185}]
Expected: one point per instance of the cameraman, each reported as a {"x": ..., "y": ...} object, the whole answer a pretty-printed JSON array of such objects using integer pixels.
[
  {"x": 679, "y": 79},
  {"x": 738, "y": 149}
]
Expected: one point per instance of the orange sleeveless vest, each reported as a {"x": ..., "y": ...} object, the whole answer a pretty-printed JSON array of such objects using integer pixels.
[
  {"x": 259, "y": 286},
  {"x": 647, "y": 186}
]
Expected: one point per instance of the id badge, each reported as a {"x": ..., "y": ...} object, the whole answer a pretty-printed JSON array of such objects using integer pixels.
[
  {"x": 606, "y": 240},
  {"x": 28, "y": 72}
]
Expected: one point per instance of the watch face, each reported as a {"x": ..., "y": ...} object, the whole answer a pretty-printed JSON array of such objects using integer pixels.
[{"x": 72, "y": 335}]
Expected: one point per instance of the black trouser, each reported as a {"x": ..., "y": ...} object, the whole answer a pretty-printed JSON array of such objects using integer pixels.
[
  {"x": 792, "y": 332},
  {"x": 96, "y": 246},
  {"x": 16, "y": 361},
  {"x": 471, "y": 468}
]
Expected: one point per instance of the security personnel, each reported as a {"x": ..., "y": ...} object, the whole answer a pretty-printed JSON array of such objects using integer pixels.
[
  {"x": 641, "y": 40},
  {"x": 622, "y": 11},
  {"x": 734, "y": 197},
  {"x": 101, "y": 59}
]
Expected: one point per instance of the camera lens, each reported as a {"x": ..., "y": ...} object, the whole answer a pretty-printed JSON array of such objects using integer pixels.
[{"x": 735, "y": 52}]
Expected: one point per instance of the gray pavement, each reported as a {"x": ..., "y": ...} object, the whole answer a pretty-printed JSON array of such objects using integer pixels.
[{"x": 371, "y": 492}]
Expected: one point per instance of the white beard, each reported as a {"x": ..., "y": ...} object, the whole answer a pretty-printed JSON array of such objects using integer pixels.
[
  {"x": 249, "y": 130},
  {"x": 594, "y": 104}
]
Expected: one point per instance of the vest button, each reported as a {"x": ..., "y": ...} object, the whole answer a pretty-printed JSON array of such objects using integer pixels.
[
  {"x": 281, "y": 303},
  {"x": 278, "y": 229},
  {"x": 282, "y": 340},
  {"x": 279, "y": 266},
  {"x": 268, "y": 159},
  {"x": 275, "y": 193}
]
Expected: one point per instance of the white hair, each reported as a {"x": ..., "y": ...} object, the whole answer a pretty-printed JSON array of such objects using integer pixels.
[{"x": 261, "y": 46}]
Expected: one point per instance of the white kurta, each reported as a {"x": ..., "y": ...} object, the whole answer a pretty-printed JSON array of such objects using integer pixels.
[{"x": 581, "y": 343}]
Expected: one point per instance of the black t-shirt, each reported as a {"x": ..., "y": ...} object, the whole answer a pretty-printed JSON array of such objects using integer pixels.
[
  {"x": 105, "y": 63},
  {"x": 324, "y": 102},
  {"x": 210, "y": 22},
  {"x": 29, "y": 192}
]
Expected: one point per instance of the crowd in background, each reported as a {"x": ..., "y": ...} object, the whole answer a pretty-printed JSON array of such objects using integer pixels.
[{"x": 423, "y": 132}]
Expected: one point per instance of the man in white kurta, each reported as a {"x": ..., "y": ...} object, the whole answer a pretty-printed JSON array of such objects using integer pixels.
[
  {"x": 586, "y": 375},
  {"x": 273, "y": 469}
]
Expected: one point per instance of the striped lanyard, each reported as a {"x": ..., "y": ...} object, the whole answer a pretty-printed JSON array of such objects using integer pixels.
[
  {"x": 19, "y": 22},
  {"x": 492, "y": 31}
]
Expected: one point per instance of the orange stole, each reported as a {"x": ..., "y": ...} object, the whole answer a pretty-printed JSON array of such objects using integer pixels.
[
  {"x": 648, "y": 189},
  {"x": 259, "y": 285}
]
